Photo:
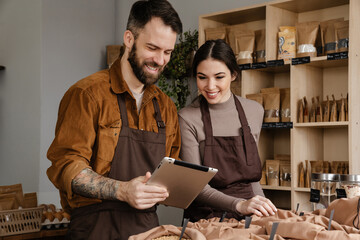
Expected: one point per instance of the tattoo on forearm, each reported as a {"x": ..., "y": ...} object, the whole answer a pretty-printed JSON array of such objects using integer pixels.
[{"x": 92, "y": 185}]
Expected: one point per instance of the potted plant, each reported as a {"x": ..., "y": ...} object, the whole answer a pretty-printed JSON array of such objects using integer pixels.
[{"x": 174, "y": 81}]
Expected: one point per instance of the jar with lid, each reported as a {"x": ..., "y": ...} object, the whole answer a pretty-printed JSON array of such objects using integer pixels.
[
  {"x": 351, "y": 184},
  {"x": 323, "y": 189}
]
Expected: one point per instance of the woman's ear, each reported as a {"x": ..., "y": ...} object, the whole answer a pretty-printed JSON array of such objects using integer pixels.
[
  {"x": 234, "y": 76},
  {"x": 128, "y": 39}
]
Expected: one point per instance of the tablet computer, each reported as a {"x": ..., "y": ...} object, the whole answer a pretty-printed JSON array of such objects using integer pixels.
[{"x": 183, "y": 180}]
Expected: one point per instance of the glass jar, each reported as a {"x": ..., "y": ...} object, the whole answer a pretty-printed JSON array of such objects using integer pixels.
[
  {"x": 351, "y": 184},
  {"x": 323, "y": 189}
]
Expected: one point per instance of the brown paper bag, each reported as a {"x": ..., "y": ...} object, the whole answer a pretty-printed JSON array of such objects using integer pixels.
[
  {"x": 306, "y": 111},
  {"x": 285, "y": 104},
  {"x": 287, "y": 42},
  {"x": 271, "y": 100},
  {"x": 301, "y": 175},
  {"x": 30, "y": 200},
  {"x": 260, "y": 54},
  {"x": 113, "y": 52},
  {"x": 215, "y": 33},
  {"x": 333, "y": 112},
  {"x": 300, "y": 111},
  {"x": 342, "y": 35},
  {"x": 306, "y": 34},
  {"x": 17, "y": 189},
  {"x": 313, "y": 110},
  {"x": 245, "y": 45},
  {"x": 319, "y": 110},
  {"x": 285, "y": 174},
  {"x": 230, "y": 32},
  {"x": 328, "y": 35},
  {"x": 256, "y": 97},
  {"x": 272, "y": 172}
]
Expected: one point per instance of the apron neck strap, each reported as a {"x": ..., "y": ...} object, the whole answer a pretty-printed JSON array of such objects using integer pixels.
[{"x": 124, "y": 117}]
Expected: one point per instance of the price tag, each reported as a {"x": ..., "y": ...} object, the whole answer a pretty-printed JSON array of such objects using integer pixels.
[
  {"x": 258, "y": 65},
  {"x": 337, "y": 56},
  {"x": 246, "y": 66},
  {"x": 300, "y": 60},
  {"x": 275, "y": 63}
]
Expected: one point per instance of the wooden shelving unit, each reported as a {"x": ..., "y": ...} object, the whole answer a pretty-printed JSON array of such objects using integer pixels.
[{"x": 330, "y": 141}]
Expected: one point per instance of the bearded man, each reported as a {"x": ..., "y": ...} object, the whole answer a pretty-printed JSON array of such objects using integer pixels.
[{"x": 113, "y": 128}]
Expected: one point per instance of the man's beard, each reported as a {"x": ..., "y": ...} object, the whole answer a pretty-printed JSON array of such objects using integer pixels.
[{"x": 137, "y": 67}]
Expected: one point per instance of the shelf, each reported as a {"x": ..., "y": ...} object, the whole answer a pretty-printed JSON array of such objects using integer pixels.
[
  {"x": 277, "y": 125},
  {"x": 238, "y": 16},
  {"x": 322, "y": 125},
  {"x": 309, "y": 5},
  {"x": 298, "y": 189},
  {"x": 279, "y": 188},
  {"x": 323, "y": 62}
]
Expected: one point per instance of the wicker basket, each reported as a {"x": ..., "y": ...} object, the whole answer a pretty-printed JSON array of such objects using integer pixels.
[{"x": 20, "y": 221}]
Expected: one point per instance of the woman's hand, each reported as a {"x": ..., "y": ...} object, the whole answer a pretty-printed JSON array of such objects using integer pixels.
[{"x": 258, "y": 205}]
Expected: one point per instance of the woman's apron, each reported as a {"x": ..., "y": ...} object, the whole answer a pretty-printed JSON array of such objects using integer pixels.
[
  {"x": 236, "y": 158},
  {"x": 136, "y": 153}
]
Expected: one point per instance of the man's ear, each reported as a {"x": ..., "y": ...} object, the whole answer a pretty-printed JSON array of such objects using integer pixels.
[{"x": 128, "y": 39}]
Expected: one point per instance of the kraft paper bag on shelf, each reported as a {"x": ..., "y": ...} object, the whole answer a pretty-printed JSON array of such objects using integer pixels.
[
  {"x": 271, "y": 99},
  {"x": 341, "y": 109},
  {"x": 342, "y": 35},
  {"x": 300, "y": 111},
  {"x": 328, "y": 35},
  {"x": 287, "y": 42},
  {"x": 326, "y": 107},
  {"x": 346, "y": 108},
  {"x": 260, "y": 54},
  {"x": 285, "y": 173},
  {"x": 285, "y": 104},
  {"x": 319, "y": 110},
  {"x": 306, "y": 34},
  {"x": 306, "y": 111},
  {"x": 230, "y": 32},
  {"x": 245, "y": 45},
  {"x": 113, "y": 52},
  {"x": 215, "y": 33},
  {"x": 301, "y": 175},
  {"x": 263, "y": 175},
  {"x": 333, "y": 112},
  {"x": 256, "y": 97},
  {"x": 307, "y": 174},
  {"x": 235, "y": 86},
  {"x": 272, "y": 172},
  {"x": 313, "y": 110}
]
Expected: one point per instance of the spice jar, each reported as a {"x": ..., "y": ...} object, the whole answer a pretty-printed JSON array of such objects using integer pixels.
[
  {"x": 351, "y": 184},
  {"x": 323, "y": 189}
]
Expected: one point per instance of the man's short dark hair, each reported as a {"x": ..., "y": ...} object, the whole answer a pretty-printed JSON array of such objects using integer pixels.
[{"x": 143, "y": 11}]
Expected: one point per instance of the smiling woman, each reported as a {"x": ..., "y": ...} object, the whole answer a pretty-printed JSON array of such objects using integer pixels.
[{"x": 230, "y": 147}]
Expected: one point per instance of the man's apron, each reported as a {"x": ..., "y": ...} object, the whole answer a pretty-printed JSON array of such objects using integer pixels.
[
  {"x": 231, "y": 156},
  {"x": 137, "y": 152}
]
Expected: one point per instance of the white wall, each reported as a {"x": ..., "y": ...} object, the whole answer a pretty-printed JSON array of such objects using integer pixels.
[{"x": 46, "y": 46}]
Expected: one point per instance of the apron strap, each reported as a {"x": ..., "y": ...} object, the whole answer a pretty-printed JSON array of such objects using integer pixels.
[
  {"x": 159, "y": 122},
  {"x": 124, "y": 117},
  {"x": 123, "y": 111},
  {"x": 245, "y": 129},
  {"x": 205, "y": 114}
]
